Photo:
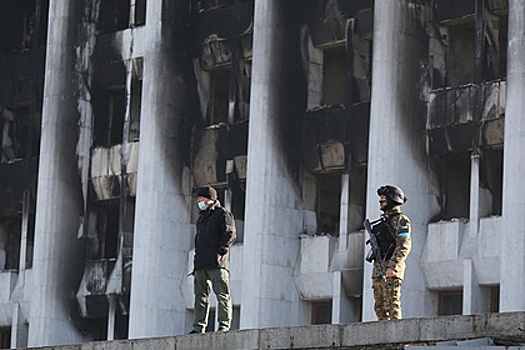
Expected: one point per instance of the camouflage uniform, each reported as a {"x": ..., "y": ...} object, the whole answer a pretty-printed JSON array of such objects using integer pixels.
[{"x": 387, "y": 294}]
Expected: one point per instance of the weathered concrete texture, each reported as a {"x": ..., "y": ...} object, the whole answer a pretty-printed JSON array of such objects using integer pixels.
[
  {"x": 397, "y": 110},
  {"x": 512, "y": 277},
  {"x": 271, "y": 243},
  {"x": 162, "y": 231},
  {"x": 56, "y": 254},
  {"x": 509, "y": 327}
]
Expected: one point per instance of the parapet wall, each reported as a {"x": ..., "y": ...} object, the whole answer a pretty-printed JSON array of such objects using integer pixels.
[{"x": 508, "y": 327}]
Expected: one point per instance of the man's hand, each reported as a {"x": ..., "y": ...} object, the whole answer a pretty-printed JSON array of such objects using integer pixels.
[{"x": 390, "y": 273}]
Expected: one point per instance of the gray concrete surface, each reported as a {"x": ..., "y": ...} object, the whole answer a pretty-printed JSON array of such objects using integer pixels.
[{"x": 384, "y": 334}]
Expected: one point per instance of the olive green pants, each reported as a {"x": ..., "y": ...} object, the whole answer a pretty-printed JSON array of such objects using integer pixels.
[
  {"x": 219, "y": 281},
  {"x": 387, "y": 297}
]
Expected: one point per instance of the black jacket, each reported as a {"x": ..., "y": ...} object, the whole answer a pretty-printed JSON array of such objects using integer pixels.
[{"x": 215, "y": 235}]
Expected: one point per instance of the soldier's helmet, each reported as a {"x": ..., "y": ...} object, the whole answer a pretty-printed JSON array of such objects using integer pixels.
[{"x": 392, "y": 192}]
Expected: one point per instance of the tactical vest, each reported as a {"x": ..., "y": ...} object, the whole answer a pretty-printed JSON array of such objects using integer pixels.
[{"x": 385, "y": 238}]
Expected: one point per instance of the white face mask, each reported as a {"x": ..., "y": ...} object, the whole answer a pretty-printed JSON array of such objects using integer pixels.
[{"x": 202, "y": 205}]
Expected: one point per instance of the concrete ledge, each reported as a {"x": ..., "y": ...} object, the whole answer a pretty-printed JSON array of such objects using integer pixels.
[{"x": 386, "y": 334}]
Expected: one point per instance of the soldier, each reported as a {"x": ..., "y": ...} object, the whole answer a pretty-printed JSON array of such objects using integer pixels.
[{"x": 393, "y": 237}]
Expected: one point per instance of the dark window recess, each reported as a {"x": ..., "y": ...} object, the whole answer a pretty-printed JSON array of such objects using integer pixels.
[
  {"x": 109, "y": 121},
  {"x": 454, "y": 175},
  {"x": 17, "y": 140},
  {"x": 140, "y": 13},
  {"x": 461, "y": 54},
  {"x": 114, "y": 15},
  {"x": 218, "y": 106},
  {"x": 494, "y": 299},
  {"x": 321, "y": 312},
  {"x": 12, "y": 16},
  {"x": 5, "y": 338},
  {"x": 136, "y": 103},
  {"x": 492, "y": 178},
  {"x": 334, "y": 73},
  {"x": 10, "y": 240},
  {"x": 450, "y": 303},
  {"x": 495, "y": 46},
  {"x": 328, "y": 203},
  {"x": 108, "y": 230},
  {"x": 238, "y": 201}
]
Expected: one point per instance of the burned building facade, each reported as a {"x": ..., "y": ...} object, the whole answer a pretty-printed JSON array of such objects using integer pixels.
[{"x": 112, "y": 112}]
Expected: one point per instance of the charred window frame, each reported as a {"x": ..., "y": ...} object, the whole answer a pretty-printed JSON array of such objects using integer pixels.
[
  {"x": 321, "y": 312},
  {"x": 138, "y": 10},
  {"x": 492, "y": 179},
  {"x": 334, "y": 75},
  {"x": 107, "y": 227},
  {"x": 109, "y": 122},
  {"x": 218, "y": 107},
  {"x": 135, "y": 107},
  {"x": 328, "y": 203},
  {"x": 454, "y": 174},
  {"x": 470, "y": 57},
  {"x": 11, "y": 228},
  {"x": 450, "y": 302},
  {"x": 114, "y": 15},
  {"x": 17, "y": 131}
]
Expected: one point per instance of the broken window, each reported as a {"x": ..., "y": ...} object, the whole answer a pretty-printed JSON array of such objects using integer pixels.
[
  {"x": 135, "y": 106},
  {"x": 16, "y": 135},
  {"x": 491, "y": 180},
  {"x": 328, "y": 203},
  {"x": 139, "y": 12},
  {"x": 219, "y": 99},
  {"x": 321, "y": 312},
  {"x": 454, "y": 174},
  {"x": 105, "y": 245},
  {"x": 460, "y": 56},
  {"x": 450, "y": 302},
  {"x": 334, "y": 74},
  {"x": 10, "y": 243},
  {"x": 109, "y": 122},
  {"x": 114, "y": 15}
]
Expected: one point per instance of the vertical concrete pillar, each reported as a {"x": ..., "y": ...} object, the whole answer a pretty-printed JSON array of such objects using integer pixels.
[
  {"x": 273, "y": 216},
  {"x": 474, "y": 196},
  {"x": 475, "y": 298},
  {"x": 512, "y": 277},
  {"x": 162, "y": 220},
  {"x": 59, "y": 200},
  {"x": 397, "y": 140}
]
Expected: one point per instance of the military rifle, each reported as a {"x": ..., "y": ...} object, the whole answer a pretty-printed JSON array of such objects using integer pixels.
[{"x": 375, "y": 251}]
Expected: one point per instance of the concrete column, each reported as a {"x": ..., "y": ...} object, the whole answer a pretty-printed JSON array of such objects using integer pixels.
[
  {"x": 474, "y": 196},
  {"x": 342, "y": 309},
  {"x": 512, "y": 277},
  {"x": 273, "y": 196},
  {"x": 397, "y": 139},
  {"x": 59, "y": 200},
  {"x": 162, "y": 231},
  {"x": 475, "y": 298}
]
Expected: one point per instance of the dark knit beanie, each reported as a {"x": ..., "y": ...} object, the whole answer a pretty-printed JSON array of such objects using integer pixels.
[{"x": 208, "y": 192}]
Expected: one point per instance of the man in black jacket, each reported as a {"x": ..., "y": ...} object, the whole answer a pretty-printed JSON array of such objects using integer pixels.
[{"x": 215, "y": 235}]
